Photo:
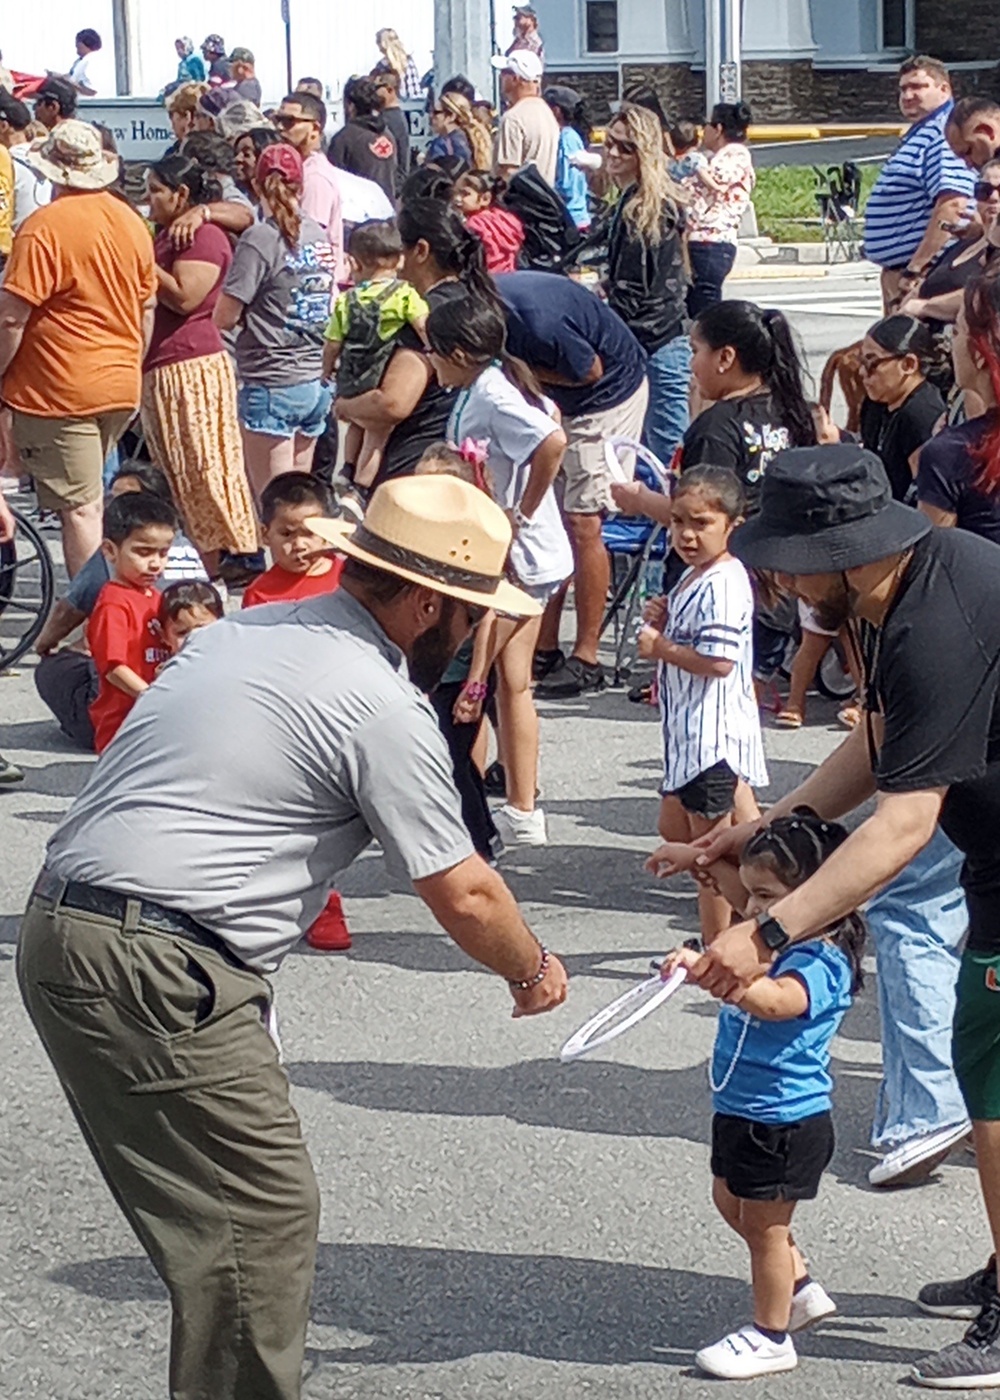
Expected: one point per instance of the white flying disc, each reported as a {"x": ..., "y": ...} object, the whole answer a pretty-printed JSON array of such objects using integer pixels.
[{"x": 622, "y": 1014}]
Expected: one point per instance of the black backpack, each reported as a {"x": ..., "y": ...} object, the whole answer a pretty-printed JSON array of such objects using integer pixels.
[{"x": 365, "y": 355}]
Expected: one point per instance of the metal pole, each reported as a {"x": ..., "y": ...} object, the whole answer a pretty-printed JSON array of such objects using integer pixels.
[
  {"x": 123, "y": 47},
  {"x": 730, "y": 80},
  {"x": 713, "y": 52},
  {"x": 286, "y": 19}
]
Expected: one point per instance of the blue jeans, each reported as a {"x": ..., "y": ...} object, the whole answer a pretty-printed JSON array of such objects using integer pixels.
[
  {"x": 667, "y": 416},
  {"x": 711, "y": 264},
  {"x": 917, "y": 924}
]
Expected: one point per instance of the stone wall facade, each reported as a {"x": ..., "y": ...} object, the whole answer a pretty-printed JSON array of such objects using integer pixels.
[{"x": 954, "y": 30}]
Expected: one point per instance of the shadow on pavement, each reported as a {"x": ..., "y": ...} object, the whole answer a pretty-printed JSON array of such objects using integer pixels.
[
  {"x": 595, "y": 1096},
  {"x": 420, "y": 1306}
]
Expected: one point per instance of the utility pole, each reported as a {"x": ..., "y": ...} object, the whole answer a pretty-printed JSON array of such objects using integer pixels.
[
  {"x": 123, "y": 47},
  {"x": 286, "y": 19},
  {"x": 723, "y": 45}
]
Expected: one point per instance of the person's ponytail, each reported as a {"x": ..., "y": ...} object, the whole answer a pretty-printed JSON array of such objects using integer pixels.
[
  {"x": 455, "y": 248},
  {"x": 784, "y": 379},
  {"x": 283, "y": 202},
  {"x": 764, "y": 346}
]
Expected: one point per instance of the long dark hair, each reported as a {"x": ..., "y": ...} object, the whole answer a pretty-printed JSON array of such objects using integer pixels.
[
  {"x": 177, "y": 170},
  {"x": 764, "y": 345},
  {"x": 793, "y": 849},
  {"x": 456, "y": 250},
  {"x": 476, "y": 329}
]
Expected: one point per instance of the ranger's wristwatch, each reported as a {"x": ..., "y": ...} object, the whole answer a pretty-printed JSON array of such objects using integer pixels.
[{"x": 772, "y": 935}]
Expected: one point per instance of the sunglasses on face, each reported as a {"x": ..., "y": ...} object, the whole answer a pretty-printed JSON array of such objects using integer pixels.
[
  {"x": 625, "y": 148},
  {"x": 871, "y": 363},
  {"x": 984, "y": 191},
  {"x": 286, "y": 120}
]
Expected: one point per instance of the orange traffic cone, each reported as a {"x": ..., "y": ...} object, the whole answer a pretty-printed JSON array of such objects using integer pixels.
[{"x": 329, "y": 933}]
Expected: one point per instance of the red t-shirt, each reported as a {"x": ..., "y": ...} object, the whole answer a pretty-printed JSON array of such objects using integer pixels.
[
  {"x": 123, "y": 631},
  {"x": 176, "y": 337},
  {"x": 278, "y": 585}
]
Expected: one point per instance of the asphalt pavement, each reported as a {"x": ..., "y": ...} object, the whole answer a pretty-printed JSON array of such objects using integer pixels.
[{"x": 494, "y": 1223}]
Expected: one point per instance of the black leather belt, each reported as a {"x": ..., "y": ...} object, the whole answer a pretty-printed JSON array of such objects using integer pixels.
[{"x": 111, "y": 904}]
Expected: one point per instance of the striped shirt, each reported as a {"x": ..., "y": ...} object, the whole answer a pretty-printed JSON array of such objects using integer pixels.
[
  {"x": 710, "y": 719},
  {"x": 921, "y": 169}
]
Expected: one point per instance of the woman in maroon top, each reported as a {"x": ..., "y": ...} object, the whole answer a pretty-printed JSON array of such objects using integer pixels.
[{"x": 188, "y": 387}]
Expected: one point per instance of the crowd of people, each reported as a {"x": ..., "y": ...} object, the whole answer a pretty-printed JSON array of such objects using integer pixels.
[{"x": 351, "y": 360}]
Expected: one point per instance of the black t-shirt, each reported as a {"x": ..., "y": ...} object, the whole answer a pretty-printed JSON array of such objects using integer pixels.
[
  {"x": 947, "y": 475},
  {"x": 894, "y": 436},
  {"x": 947, "y": 275},
  {"x": 426, "y": 425},
  {"x": 555, "y": 324},
  {"x": 935, "y": 678},
  {"x": 395, "y": 120},
  {"x": 740, "y": 433}
]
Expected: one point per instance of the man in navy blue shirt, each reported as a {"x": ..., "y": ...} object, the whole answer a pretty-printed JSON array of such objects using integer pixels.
[{"x": 591, "y": 364}]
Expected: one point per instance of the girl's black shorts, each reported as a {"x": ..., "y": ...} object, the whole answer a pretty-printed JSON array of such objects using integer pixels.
[{"x": 772, "y": 1161}]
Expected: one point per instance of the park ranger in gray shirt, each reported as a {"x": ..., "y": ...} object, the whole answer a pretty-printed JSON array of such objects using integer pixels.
[{"x": 267, "y": 756}]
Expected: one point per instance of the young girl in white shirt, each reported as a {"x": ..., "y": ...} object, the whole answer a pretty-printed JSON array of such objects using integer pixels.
[
  {"x": 701, "y": 634},
  {"x": 500, "y": 404}
]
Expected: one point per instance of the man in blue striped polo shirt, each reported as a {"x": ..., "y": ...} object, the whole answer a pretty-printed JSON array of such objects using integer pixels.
[{"x": 923, "y": 188}]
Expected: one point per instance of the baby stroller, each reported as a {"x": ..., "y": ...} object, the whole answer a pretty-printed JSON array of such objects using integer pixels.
[{"x": 638, "y": 547}]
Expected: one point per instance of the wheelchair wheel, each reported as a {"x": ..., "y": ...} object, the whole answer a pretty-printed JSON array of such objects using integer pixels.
[
  {"x": 833, "y": 679},
  {"x": 27, "y": 587}
]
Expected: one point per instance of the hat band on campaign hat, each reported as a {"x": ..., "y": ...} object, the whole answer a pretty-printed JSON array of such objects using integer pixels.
[{"x": 403, "y": 558}]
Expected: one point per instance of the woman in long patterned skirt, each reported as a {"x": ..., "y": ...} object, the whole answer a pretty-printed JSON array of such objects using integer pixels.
[{"x": 189, "y": 387}]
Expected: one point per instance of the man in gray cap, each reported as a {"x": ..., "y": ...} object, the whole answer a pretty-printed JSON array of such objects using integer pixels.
[{"x": 927, "y": 750}]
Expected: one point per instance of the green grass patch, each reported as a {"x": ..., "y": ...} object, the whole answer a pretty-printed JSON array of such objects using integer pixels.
[{"x": 785, "y": 195}]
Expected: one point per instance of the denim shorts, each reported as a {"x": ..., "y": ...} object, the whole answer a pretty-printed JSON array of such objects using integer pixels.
[{"x": 285, "y": 411}]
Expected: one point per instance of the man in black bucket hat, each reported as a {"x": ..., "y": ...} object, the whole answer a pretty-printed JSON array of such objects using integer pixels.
[{"x": 928, "y": 750}]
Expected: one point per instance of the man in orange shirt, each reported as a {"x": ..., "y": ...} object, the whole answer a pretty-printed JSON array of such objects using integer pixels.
[{"x": 76, "y": 314}]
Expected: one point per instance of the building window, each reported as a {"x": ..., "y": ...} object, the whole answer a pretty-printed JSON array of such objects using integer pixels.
[
  {"x": 602, "y": 26},
  {"x": 896, "y": 24}
]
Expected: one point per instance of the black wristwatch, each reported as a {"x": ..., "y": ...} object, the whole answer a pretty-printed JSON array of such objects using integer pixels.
[{"x": 772, "y": 935}]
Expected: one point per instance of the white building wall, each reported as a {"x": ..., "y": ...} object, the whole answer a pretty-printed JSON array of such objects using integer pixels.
[{"x": 329, "y": 41}]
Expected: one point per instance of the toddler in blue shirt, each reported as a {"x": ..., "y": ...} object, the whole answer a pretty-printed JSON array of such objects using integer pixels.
[{"x": 772, "y": 1133}]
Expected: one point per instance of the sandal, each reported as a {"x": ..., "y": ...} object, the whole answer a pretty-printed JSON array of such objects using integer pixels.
[
  {"x": 789, "y": 719},
  {"x": 849, "y": 716}
]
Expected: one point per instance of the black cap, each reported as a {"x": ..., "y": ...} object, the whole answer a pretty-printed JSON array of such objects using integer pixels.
[{"x": 823, "y": 510}]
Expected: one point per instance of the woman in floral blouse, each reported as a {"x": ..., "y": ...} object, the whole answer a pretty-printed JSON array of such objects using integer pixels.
[{"x": 722, "y": 191}]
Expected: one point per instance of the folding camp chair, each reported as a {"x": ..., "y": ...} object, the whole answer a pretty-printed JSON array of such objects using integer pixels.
[
  {"x": 637, "y": 546},
  {"x": 838, "y": 195}
]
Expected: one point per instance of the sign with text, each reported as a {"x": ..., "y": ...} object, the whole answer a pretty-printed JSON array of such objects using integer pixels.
[{"x": 140, "y": 125}]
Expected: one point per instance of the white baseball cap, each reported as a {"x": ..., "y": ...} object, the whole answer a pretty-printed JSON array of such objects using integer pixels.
[{"x": 525, "y": 63}]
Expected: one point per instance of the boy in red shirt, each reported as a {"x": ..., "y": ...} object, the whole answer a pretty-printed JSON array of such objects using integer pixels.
[
  {"x": 124, "y": 632},
  {"x": 300, "y": 569}
]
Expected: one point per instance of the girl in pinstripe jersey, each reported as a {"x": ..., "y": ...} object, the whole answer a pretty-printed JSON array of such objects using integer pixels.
[{"x": 701, "y": 636}]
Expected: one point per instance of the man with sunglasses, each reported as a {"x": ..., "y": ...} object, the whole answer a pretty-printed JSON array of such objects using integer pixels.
[{"x": 301, "y": 119}]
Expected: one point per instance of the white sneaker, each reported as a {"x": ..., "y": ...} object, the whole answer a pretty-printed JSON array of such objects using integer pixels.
[
  {"x": 745, "y": 1354},
  {"x": 809, "y": 1306},
  {"x": 517, "y": 828},
  {"x": 914, "y": 1160}
]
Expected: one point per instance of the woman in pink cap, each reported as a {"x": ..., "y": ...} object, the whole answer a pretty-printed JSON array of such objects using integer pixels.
[{"x": 278, "y": 292}]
